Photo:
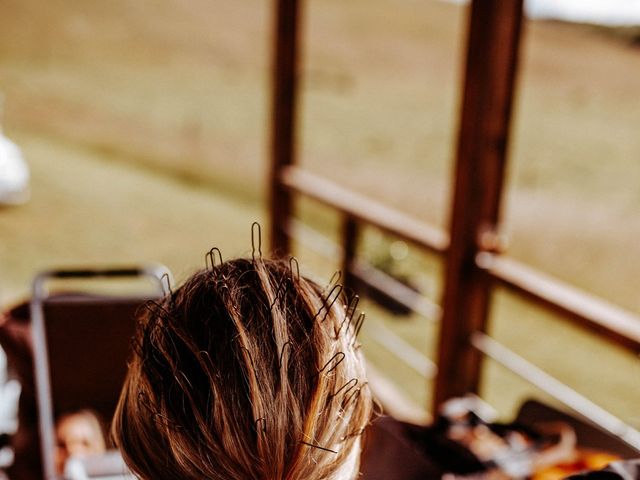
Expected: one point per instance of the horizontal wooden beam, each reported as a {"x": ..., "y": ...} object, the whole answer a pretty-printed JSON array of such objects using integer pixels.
[
  {"x": 366, "y": 273},
  {"x": 587, "y": 310},
  {"x": 365, "y": 209}
]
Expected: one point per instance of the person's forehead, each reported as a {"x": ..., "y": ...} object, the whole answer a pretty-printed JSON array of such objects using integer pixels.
[{"x": 75, "y": 425}]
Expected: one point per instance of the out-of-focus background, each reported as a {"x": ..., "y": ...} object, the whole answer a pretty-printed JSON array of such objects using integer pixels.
[{"x": 146, "y": 123}]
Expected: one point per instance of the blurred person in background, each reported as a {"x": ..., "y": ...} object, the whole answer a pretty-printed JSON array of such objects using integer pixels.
[{"x": 78, "y": 434}]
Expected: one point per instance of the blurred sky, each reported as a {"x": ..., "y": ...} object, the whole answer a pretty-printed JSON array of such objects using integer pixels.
[
  {"x": 607, "y": 12},
  {"x": 604, "y": 12}
]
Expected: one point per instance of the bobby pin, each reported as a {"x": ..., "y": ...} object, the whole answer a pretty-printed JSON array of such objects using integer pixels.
[
  {"x": 166, "y": 421},
  {"x": 349, "y": 312},
  {"x": 350, "y": 385},
  {"x": 204, "y": 353},
  {"x": 253, "y": 366},
  {"x": 287, "y": 344},
  {"x": 262, "y": 420},
  {"x": 210, "y": 258},
  {"x": 318, "y": 447},
  {"x": 334, "y": 279},
  {"x": 157, "y": 415},
  {"x": 294, "y": 261},
  {"x": 256, "y": 231},
  {"x": 342, "y": 357},
  {"x": 158, "y": 315},
  {"x": 142, "y": 398},
  {"x": 280, "y": 291},
  {"x": 204, "y": 359},
  {"x": 328, "y": 302},
  {"x": 187, "y": 392},
  {"x": 150, "y": 356},
  {"x": 352, "y": 396},
  {"x": 358, "y": 326},
  {"x": 164, "y": 279},
  {"x": 157, "y": 310},
  {"x": 186, "y": 379},
  {"x": 357, "y": 433}
]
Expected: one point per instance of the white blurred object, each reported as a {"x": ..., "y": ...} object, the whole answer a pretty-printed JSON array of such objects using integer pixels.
[
  {"x": 107, "y": 466},
  {"x": 14, "y": 172},
  {"x": 599, "y": 12},
  {"x": 614, "y": 13},
  {"x": 9, "y": 397},
  {"x": 459, "y": 407}
]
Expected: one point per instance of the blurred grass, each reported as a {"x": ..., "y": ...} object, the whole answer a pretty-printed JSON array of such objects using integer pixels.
[
  {"x": 87, "y": 210},
  {"x": 145, "y": 124}
]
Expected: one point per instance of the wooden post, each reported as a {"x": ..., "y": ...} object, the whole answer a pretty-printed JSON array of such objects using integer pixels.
[
  {"x": 283, "y": 118},
  {"x": 492, "y": 51},
  {"x": 349, "y": 244}
]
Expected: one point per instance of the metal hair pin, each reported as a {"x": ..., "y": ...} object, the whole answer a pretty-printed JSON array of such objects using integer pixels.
[
  {"x": 349, "y": 312},
  {"x": 210, "y": 258},
  {"x": 281, "y": 290},
  {"x": 149, "y": 338},
  {"x": 186, "y": 379},
  {"x": 335, "y": 278},
  {"x": 262, "y": 420},
  {"x": 358, "y": 326},
  {"x": 256, "y": 240},
  {"x": 352, "y": 396},
  {"x": 207, "y": 363},
  {"x": 318, "y": 447},
  {"x": 339, "y": 354},
  {"x": 253, "y": 365},
  {"x": 347, "y": 387},
  {"x": 284, "y": 347},
  {"x": 294, "y": 261},
  {"x": 144, "y": 401},
  {"x": 157, "y": 310},
  {"x": 328, "y": 302},
  {"x": 357, "y": 433},
  {"x": 165, "y": 281}
]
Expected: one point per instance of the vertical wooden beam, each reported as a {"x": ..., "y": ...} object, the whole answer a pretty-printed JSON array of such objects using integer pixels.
[
  {"x": 492, "y": 51},
  {"x": 283, "y": 118},
  {"x": 349, "y": 244}
]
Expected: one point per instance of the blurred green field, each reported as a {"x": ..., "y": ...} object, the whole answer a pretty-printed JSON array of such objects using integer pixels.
[{"x": 146, "y": 127}]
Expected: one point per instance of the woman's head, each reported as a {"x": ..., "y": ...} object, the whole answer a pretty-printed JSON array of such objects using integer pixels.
[{"x": 247, "y": 371}]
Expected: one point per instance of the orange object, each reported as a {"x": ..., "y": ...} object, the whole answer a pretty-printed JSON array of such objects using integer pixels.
[{"x": 585, "y": 460}]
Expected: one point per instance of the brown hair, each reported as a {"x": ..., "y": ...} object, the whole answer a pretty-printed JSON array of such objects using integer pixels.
[{"x": 247, "y": 371}]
